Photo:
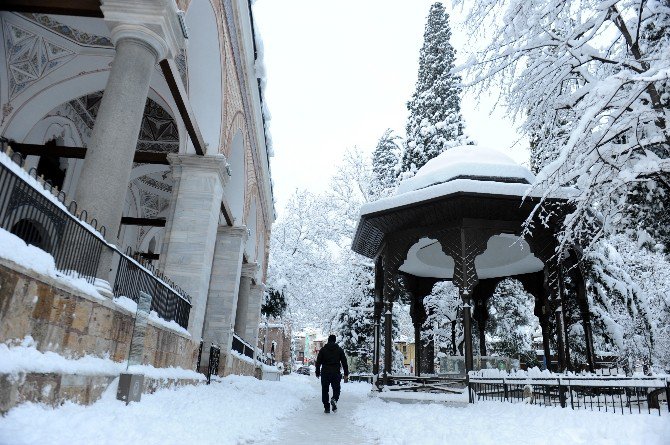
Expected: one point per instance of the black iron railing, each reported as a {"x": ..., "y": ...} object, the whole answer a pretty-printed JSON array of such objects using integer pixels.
[
  {"x": 213, "y": 366},
  {"x": 33, "y": 210},
  {"x": 197, "y": 364},
  {"x": 169, "y": 301},
  {"x": 609, "y": 394},
  {"x": 242, "y": 346}
]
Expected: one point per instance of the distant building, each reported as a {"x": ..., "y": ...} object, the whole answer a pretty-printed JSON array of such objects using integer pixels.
[
  {"x": 408, "y": 351},
  {"x": 274, "y": 339}
]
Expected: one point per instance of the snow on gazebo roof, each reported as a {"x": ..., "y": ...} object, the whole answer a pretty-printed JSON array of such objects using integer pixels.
[
  {"x": 464, "y": 169},
  {"x": 468, "y": 162}
]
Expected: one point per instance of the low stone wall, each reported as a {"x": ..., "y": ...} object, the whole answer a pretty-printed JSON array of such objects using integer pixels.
[
  {"x": 235, "y": 365},
  {"x": 71, "y": 323},
  {"x": 55, "y": 389}
]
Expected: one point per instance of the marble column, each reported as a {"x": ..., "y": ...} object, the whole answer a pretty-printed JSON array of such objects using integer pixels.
[
  {"x": 141, "y": 39},
  {"x": 256, "y": 294},
  {"x": 247, "y": 275},
  {"x": 224, "y": 286},
  {"x": 191, "y": 230}
]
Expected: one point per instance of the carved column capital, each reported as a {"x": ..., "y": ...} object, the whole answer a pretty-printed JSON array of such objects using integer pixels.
[
  {"x": 240, "y": 232},
  {"x": 156, "y": 23},
  {"x": 464, "y": 245},
  {"x": 250, "y": 270}
]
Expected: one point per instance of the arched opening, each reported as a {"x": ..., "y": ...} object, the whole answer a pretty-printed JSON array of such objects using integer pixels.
[
  {"x": 506, "y": 325},
  {"x": 30, "y": 232}
]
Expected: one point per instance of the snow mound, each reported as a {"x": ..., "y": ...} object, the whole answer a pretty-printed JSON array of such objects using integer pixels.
[{"x": 467, "y": 161}]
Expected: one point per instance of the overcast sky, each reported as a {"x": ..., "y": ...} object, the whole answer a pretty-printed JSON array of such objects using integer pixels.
[{"x": 340, "y": 73}]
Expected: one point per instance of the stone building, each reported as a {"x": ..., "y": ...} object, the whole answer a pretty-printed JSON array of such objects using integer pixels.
[
  {"x": 274, "y": 340},
  {"x": 149, "y": 114}
]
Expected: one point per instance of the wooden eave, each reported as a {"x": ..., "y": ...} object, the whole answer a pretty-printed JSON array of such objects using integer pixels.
[{"x": 505, "y": 212}]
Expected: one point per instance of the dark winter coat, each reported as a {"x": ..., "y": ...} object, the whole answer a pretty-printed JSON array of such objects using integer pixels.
[{"x": 329, "y": 359}]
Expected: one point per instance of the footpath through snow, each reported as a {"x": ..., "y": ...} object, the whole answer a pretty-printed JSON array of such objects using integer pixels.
[
  {"x": 311, "y": 425},
  {"x": 240, "y": 410}
]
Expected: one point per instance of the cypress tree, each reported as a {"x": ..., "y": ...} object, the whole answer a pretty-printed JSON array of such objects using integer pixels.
[
  {"x": 384, "y": 162},
  {"x": 435, "y": 123}
]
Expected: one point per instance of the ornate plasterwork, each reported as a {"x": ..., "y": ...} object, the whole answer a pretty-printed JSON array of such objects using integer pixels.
[
  {"x": 30, "y": 57},
  {"x": 68, "y": 32},
  {"x": 152, "y": 204},
  {"x": 158, "y": 132},
  {"x": 87, "y": 107}
]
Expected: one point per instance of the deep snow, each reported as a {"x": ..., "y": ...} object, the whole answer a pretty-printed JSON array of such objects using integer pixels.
[{"x": 246, "y": 410}]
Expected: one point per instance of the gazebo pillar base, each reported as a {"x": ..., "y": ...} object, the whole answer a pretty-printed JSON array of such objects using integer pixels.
[{"x": 467, "y": 335}]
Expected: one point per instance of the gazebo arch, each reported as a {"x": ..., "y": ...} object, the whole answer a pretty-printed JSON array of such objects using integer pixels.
[{"x": 469, "y": 202}]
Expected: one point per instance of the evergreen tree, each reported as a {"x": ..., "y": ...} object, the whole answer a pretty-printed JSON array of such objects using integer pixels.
[
  {"x": 511, "y": 320},
  {"x": 629, "y": 302},
  {"x": 355, "y": 323},
  {"x": 274, "y": 304},
  {"x": 384, "y": 162},
  {"x": 435, "y": 123},
  {"x": 649, "y": 201}
]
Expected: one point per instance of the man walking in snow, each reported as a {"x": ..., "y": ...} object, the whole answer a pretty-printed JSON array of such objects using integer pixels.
[{"x": 328, "y": 362}]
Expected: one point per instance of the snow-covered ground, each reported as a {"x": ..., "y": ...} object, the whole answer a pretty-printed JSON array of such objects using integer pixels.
[
  {"x": 504, "y": 423},
  {"x": 245, "y": 410},
  {"x": 234, "y": 410}
]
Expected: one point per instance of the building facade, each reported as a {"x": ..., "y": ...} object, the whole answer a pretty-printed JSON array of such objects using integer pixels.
[{"x": 149, "y": 115}]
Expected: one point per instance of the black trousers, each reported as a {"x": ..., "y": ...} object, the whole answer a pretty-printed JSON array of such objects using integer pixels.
[{"x": 330, "y": 379}]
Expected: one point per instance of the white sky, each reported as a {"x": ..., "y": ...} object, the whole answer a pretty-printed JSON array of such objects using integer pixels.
[{"x": 340, "y": 73}]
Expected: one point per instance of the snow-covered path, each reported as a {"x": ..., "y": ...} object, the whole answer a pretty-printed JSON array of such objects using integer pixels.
[
  {"x": 243, "y": 410},
  {"x": 311, "y": 425}
]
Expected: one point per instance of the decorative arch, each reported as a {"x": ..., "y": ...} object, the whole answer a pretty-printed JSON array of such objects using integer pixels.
[{"x": 44, "y": 101}]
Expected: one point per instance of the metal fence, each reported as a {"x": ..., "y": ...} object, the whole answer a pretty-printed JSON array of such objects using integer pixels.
[
  {"x": 213, "y": 366},
  {"x": 33, "y": 210},
  {"x": 169, "y": 301},
  {"x": 608, "y": 394},
  {"x": 30, "y": 210},
  {"x": 242, "y": 346}
]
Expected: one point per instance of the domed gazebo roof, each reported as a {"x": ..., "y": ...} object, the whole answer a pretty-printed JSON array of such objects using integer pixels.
[
  {"x": 468, "y": 162},
  {"x": 464, "y": 186}
]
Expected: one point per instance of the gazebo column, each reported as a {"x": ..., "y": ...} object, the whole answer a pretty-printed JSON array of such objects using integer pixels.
[
  {"x": 564, "y": 324},
  {"x": 393, "y": 257},
  {"x": 545, "y": 326},
  {"x": 377, "y": 314},
  {"x": 583, "y": 304},
  {"x": 388, "y": 337},
  {"x": 390, "y": 291},
  {"x": 553, "y": 288},
  {"x": 419, "y": 288},
  {"x": 141, "y": 39},
  {"x": 482, "y": 293},
  {"x": 464, "y": 245},
  {"x": 533, "y": 283},
  {"x": 543, "y": 243}
]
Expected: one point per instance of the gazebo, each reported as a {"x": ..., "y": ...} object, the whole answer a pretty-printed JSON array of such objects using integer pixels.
[{"x": 461, "y": 218}]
